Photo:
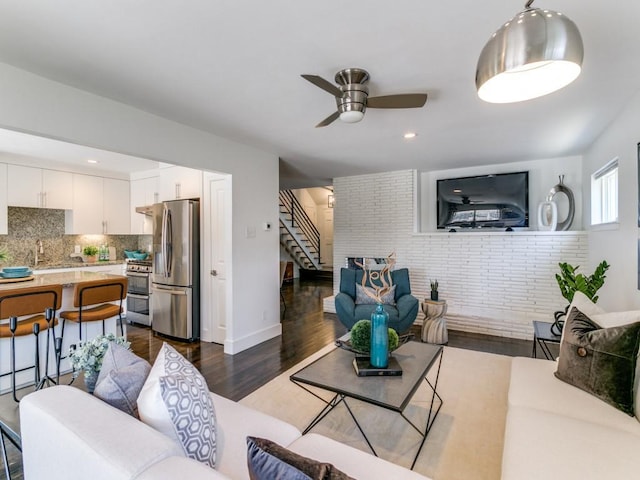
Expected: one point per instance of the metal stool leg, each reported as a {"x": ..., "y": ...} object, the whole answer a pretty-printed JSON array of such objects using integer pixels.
[
  {"x": 5, "y": 457},
  {"x": 36, "y": 331},
  {"x": 46, "y": 379},
  {"x": 13, "y": 325}
]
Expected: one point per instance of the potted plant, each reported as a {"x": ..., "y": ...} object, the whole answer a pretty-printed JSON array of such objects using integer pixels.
[
  {"x": 570, "y": 283},
  {"x": 434, "y": 290},
  {"x": 4, "y": 254},
  {"x": 90, "y": 252},
  {"x": 87, "y": 357}
]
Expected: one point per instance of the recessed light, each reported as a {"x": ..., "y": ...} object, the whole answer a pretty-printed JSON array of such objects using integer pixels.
[
  {"x": 410, "y": 135},
  {"x": 457, "y": 190},
  {"x": 92, "y": 161}
]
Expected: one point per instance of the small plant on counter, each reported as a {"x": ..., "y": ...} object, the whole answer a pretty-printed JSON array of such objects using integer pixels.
[
  {"x": 4, "y": 254},
  {"x": 90, "y": 251}
]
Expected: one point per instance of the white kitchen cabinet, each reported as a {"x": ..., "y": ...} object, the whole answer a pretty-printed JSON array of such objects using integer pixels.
[
  {"x": 100, "y": 206},
  {"x": 144, "y": 192},
  {"x": 39, "y": 188},
  {"x": 4, "y": 229},
  {"x": 180, "y": 182},
  {"x": 116, "y": 214}
]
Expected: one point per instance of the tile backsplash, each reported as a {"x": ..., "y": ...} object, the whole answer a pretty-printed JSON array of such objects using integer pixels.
[{"x": 28, "y": 225}]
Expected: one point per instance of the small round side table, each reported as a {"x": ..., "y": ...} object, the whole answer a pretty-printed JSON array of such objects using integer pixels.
[{"x": 434, "y": 326}]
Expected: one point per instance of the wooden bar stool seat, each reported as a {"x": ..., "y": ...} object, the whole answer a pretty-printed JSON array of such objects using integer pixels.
[
  {"x": 90, "y": 300},
  {"x": 38, "y": 305}
]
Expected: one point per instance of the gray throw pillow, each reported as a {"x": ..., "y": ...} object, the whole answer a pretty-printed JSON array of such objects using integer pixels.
[
  {"x": 364, "y": 299},
  {"x": 267, "y": 460},
  {"x": 121, "y": 378},
  {"x": 600, "y": 361}
]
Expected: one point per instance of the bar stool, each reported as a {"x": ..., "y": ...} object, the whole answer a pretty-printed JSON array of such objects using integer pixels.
[
  {"x": 43, "y": 301},
  {"x": 89, "y": 298}
]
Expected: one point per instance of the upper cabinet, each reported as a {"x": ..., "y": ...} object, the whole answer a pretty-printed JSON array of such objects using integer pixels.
[
  {"x": 3, "y": 199},
  {"x": 39, "y": 188},
  {"x": 144, "y": 192},
  {"x": 180, "y": 182},
  {"x": 100, "y": 206}
]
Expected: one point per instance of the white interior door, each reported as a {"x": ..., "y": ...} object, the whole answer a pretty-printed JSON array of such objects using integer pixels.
[
  {"x": 216, "y": 228},
  {"x": 326, "y": 237}
]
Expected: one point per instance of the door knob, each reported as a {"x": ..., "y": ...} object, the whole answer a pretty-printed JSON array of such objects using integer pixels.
[{"x": 214, "y": 273}]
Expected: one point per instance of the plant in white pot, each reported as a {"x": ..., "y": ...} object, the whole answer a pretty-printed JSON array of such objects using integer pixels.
[{"x": 90, "y": 253}]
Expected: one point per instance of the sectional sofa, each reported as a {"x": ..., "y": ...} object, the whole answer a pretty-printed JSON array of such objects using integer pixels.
[{"x": 68, "y": 434}]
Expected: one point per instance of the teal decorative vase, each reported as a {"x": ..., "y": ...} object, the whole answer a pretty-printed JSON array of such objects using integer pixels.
[
  {"x": 379, "y": 338},
  {"x": 90, "y": 382}
]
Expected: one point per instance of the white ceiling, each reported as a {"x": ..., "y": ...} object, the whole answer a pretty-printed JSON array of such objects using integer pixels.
[{"x": 233, "y": 68}]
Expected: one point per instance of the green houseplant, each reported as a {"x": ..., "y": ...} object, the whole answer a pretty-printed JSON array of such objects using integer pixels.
[
  {"x": 571, "y": 282},
  {"x": 434, "y": 289},
  {"x": 4, "y": 254},
  {"x": 90, "y": 252},
  {"x": 361, "y": 337}
]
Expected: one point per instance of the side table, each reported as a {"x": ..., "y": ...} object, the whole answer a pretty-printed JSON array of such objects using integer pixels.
[
  {"x": 434, "y": 326},
  {"x": 543, "y": 337}
]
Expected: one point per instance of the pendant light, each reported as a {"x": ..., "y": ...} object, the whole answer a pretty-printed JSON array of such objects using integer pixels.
[{"x": 535, "y": 53}]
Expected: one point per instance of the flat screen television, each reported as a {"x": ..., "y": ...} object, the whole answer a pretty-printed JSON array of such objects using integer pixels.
[{"x": 486, "y": 201}]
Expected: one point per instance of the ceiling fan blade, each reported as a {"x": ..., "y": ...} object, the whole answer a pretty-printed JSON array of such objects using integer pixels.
[
  {"x": 330, "y": 119},
  {"x": 406, "y": 100},
  {"x": 324, "y": 85}
]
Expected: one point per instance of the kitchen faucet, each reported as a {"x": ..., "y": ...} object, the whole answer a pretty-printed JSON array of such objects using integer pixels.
[{"x": 39, "y": 250}]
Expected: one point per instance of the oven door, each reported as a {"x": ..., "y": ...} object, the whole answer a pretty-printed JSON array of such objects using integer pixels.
[
  {"x": 138, "y": 309},
  {"x": 138, "y": 283}
]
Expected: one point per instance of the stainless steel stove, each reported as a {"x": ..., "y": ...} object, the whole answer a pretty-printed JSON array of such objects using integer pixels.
[{"x": 139, "y": 291}]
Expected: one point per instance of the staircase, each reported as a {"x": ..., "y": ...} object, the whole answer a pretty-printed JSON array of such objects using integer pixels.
[{"x": 298, "y": 235}]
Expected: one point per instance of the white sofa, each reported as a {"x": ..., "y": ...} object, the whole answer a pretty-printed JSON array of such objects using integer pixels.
[
  {"x": 555, "y": 430},
  {"x": 68, "y": 434}
]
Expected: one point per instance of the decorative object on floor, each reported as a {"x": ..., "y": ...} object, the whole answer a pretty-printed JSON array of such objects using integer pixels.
[
  {"x": 566, "y": 191},
  {"x": 570, "y": 283},
  {"x": 434, "y": 289},
  {"x": 600, "y": 361},
  {"x": 434, "y": 326},
  {"x": 547, "y": 216},
  {"x": 88, "y": 356},
  {"x": 533, "y": 54}
]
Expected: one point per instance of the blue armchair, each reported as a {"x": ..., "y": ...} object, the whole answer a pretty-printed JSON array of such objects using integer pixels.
[{"x": 401, "y": 315}]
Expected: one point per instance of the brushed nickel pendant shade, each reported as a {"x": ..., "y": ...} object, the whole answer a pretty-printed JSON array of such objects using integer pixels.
[{"x": 533, "y": 54}]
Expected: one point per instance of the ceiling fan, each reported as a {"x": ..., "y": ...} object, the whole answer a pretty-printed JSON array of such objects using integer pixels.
[{"x": 352, "y": 96}]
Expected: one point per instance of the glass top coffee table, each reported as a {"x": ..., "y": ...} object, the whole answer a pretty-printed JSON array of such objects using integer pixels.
[{"x": 334, "y": 372}]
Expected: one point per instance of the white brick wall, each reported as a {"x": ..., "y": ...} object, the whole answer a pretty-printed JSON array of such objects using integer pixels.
[{"x": 494, "y": 282}]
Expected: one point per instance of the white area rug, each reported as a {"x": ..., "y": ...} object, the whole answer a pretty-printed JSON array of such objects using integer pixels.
[{"x": 465, "y": 441}]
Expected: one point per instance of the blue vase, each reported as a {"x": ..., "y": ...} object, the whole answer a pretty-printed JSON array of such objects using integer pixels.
[{"x": 379, "y": 338}]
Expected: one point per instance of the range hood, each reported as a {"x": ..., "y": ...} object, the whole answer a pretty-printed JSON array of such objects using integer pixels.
[{"x": 145, "y": 210}]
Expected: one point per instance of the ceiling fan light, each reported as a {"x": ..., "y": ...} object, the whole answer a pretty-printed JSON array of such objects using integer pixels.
[
  {"x": 351, "y": 116},
  {"x": 535, "y": 53}
]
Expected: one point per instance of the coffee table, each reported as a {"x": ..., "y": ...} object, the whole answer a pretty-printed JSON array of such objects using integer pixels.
[{"x": 334, "y": 372}]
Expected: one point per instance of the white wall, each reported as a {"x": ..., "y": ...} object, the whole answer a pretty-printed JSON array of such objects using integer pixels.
[
  {"x": 494, "y": 282},
  {"x": 543, "y": 174},
  {"x": 35, "y": 105},
  {"x": 618, "y": 244}
]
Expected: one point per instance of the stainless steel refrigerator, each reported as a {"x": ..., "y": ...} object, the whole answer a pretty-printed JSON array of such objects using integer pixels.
[{"x": 175, "y": 287}]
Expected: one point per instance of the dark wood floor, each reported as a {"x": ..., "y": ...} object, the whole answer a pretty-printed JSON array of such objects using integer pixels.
[{"x": 305, "y": 330}]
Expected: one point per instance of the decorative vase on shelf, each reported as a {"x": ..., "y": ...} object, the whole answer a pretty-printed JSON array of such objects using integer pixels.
[
  {"x": 434, "y": 295},
  {"x": 379, "y": 352}
]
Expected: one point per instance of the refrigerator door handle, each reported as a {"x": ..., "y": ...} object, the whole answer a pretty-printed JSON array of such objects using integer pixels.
[{"x": 170, "y": 290}]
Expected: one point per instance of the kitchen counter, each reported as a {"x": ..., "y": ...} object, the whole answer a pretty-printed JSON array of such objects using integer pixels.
[
  {"x": 76, "y": 264},
  {"x": 66, "y": 279}
]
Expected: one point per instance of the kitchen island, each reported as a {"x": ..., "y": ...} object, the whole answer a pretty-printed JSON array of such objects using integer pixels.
[{"x": 25, "y": 346}]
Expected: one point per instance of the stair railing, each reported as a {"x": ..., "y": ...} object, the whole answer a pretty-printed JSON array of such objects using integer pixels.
[{"x": 300, "y": 219}]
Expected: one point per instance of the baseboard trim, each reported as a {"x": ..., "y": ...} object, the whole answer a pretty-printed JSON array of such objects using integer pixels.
[{"x": 232, "y": 347}]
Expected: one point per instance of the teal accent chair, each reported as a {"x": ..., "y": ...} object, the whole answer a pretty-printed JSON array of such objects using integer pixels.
[{"x": 401, "y": 315}]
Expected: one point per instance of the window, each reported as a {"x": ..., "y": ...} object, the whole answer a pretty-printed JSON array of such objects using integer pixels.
[{"x": 604, "y": 194}]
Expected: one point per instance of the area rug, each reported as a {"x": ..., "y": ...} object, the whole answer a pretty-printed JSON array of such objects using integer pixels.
[{"x": 466, "y": 439}]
